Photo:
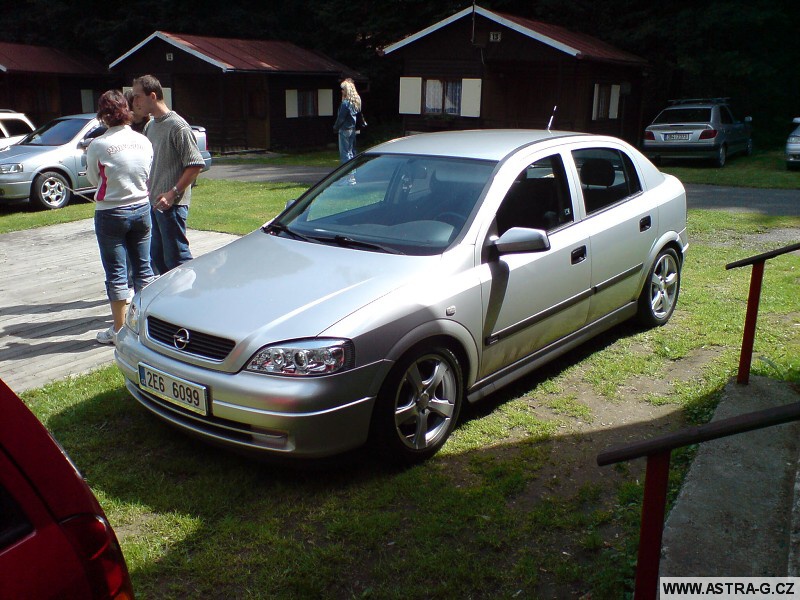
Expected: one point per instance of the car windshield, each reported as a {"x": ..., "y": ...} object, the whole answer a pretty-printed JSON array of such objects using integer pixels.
[
  {"x": 55, "y": 133},
  {"x": 683, "y": 115},
  {"x": 390, "y": 203}
]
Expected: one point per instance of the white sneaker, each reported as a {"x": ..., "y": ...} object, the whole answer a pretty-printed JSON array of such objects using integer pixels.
[{"x": 107, "y": 336}]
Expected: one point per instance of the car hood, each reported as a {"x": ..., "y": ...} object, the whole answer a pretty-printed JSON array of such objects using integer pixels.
[
  {"x": 19, "y": 152},
  {"x": 265, "y": 288}
]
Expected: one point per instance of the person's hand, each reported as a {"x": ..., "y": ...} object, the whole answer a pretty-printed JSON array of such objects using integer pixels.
[{"x": 163, "y": 202}]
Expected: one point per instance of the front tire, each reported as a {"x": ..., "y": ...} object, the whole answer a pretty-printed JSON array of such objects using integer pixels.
[
  {"x": 660, "y": 294},
  {"x": 418, "y": 405},
  {"x": 50, "y": 191}
]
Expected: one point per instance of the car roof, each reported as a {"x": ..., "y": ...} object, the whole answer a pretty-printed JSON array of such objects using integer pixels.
[
  {"x": 483, "y": 144},
  {"x": 79, "y": 116}
]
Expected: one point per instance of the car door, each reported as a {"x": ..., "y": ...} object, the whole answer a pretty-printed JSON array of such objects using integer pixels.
[
  {"x": 622, "y": 222},
  {"x": 77, "y": 150},
  {"x": 532, "y": 299}
]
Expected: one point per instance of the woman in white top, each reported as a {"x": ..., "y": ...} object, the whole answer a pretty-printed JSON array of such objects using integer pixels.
[{"x": 118, "y": 163}]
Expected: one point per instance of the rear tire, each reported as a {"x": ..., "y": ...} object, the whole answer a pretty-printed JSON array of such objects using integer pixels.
[
  {"x": 50, "y": 191},
  {"x": 418, "y": 405},
  {"x": 660, "y": 294},
  {"x": 722, "y": 157}
]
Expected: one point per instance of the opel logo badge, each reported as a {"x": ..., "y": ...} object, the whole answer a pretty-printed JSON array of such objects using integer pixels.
[{"x": 181, "y": 339}]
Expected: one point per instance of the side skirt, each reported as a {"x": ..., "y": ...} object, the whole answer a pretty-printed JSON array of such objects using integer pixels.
[{"x": 487, "y": 385}]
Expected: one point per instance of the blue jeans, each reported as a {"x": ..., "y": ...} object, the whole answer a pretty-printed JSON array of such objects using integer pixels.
[
  {"x": 169, "y": 246},
  {"x": 123, "y": 236},
  {"x": 347, "y": 143}
]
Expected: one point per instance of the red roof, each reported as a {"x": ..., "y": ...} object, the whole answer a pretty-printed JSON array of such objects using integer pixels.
[
  {"x": 586, "y": 45},
  {"x": 248, "y": 55},
  {"x": 578, "y": 45},
  {"x": 24, "y": 58}
]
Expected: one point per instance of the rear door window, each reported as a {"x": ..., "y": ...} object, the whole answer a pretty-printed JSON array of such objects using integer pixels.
[{"x": 607, "y": 176}]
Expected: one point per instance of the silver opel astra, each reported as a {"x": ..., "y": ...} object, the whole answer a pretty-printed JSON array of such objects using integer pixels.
[{"x": 428, "y": 271}]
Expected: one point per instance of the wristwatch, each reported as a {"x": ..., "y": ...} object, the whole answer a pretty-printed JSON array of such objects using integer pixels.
[{"x": 177, "y": 193}]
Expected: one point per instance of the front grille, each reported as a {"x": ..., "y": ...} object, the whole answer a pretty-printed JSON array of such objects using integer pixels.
[{"x": 200, "y": 344}]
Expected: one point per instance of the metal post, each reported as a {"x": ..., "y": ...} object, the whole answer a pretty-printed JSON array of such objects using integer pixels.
[
  {"x": 745, "y": 358},
  {"x": 652, "y": 527}
]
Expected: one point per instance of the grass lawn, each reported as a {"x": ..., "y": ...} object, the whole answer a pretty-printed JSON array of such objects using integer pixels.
[
  {"x": 514, "y": 505},
  {"x": 764, "y": 169}
]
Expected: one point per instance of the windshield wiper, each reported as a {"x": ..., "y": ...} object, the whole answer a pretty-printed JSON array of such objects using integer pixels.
[
  {"x": 343, "y": 240},
  {"x": 277, "y": 226}
]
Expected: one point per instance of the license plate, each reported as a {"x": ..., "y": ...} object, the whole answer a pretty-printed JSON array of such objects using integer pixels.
[
  {"x": 178, "y": 391},
  {"x": 676, "y": 136}
]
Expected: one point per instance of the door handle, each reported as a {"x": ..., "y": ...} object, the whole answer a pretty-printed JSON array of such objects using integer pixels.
[
  {"x": 645, "y": 223},
  {"x": 578, "y": 255}
]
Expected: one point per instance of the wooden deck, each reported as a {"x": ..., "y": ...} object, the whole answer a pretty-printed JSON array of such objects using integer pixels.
[{"x": 53, "y": 302}]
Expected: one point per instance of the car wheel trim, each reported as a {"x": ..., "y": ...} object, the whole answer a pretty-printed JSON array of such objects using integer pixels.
[
  {"x": 52, "y": 191},
  {"x": 425, "y": 402},
  {"x": 664, "y": 286}
]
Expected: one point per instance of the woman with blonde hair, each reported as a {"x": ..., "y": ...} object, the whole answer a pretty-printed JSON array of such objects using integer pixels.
[{"x": 346, "y": 120}]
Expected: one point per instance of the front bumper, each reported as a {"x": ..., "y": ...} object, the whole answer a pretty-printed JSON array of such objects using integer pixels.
[
  {"x": 14, "y": 190},
  {"x": 263, "y": 414}
]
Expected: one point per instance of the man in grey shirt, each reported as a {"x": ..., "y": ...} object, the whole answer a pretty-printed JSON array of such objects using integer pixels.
[{"x": 176, "y": 164}]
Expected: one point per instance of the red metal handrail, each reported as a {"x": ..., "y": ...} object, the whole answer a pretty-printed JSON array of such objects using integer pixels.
[
  {"x": 657, "y": 451},
  {"x": 757, "y": 276}
]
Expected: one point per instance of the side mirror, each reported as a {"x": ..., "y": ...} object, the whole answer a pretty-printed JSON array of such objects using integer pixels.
[
  {"x": 520, "y": 239},
  {"x": 289, "y": 203},
  {"x": 84, "y": 143}
]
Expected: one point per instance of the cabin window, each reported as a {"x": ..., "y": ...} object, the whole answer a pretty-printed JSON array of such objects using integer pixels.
[
  {"x": 442, "y": 96},
  {"x": 306, "y": 103},
  {"x": 457, "y": 97},
  {"x": 302, "y": 103},
  {"x": 606, "y": 102}
]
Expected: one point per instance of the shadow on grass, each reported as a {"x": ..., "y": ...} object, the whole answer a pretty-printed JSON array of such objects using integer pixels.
[{"x": 531, "y": 517}]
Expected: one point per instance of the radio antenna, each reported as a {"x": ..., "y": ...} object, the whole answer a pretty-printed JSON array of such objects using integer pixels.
[{"x": 553, "y": 116}]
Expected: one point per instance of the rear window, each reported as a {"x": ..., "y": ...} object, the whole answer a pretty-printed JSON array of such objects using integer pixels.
[
  {"x": 683, "y": 115},
  {"x": 16, "y": 127}
]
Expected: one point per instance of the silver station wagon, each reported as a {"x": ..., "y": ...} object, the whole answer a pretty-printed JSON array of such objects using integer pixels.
[{"x": 428, "y": 271}]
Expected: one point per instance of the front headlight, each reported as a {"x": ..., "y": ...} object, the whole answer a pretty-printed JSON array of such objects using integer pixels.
[
  {"x": 794, "y": 139},
  {"x": 11, "y": 168},
  {"x": 303, "y": 358},
  {"x": 132, "y": 317}
]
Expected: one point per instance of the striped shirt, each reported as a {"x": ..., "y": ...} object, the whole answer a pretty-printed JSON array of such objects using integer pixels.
[{"x": 174, "y": 149}]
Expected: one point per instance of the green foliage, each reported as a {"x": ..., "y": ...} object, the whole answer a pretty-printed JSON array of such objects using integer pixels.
[{"x": 716, "y": 48}]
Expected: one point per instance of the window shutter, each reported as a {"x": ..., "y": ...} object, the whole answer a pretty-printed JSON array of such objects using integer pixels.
[
  {"x": 325, "y": 102},
  {"x": 613, "y": 108},
  {"x": 470, "y": 97},
  {"x": 291, "y": 104},
  {"x": 410, "y": 95}
]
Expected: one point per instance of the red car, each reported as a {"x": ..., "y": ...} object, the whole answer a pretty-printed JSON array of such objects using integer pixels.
[{"x": 55, "y": 540}]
